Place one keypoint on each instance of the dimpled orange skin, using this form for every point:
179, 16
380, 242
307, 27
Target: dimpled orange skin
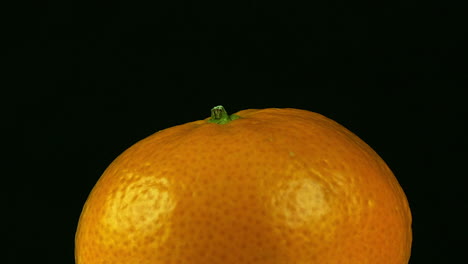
275, 186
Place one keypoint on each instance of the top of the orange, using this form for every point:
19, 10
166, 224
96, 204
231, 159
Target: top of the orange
271, 186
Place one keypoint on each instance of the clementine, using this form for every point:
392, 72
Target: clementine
271, 186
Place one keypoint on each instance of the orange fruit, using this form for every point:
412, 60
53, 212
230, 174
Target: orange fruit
271, 186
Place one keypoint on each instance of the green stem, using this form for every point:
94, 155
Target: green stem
220, 116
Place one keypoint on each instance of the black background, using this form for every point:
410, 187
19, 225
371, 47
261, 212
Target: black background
89, 80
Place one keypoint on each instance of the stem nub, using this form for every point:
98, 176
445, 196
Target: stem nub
220, 116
